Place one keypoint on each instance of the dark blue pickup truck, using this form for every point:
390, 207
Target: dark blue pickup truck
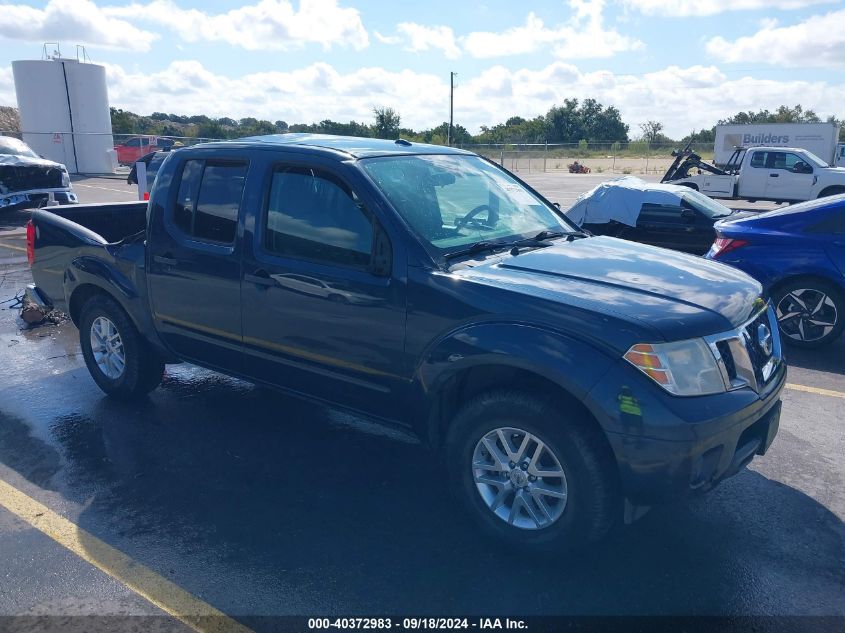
569, 381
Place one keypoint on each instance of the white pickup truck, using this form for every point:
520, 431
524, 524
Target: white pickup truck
780, 174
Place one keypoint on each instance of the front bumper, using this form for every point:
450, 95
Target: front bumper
36, 199
667, 447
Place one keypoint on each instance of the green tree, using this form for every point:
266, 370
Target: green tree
652, 131
387, 122
123, 122
784, 114
210, 129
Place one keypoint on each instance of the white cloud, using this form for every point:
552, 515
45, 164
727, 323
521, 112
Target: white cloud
684, 8
387, 39
7, 87
818, 41
308, 94
79, 21
267, 25
584, 35
682, 98
423, 38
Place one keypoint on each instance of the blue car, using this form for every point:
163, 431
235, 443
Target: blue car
798, 254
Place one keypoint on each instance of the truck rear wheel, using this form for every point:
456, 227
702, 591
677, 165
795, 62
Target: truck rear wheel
118, 358
532, 474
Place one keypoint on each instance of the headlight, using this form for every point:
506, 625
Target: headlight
683, 368
65, 179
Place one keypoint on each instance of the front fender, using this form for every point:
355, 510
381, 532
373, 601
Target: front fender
571, 364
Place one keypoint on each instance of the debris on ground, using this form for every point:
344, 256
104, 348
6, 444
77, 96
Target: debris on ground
35, 313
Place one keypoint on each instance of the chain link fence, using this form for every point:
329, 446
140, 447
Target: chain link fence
634, 157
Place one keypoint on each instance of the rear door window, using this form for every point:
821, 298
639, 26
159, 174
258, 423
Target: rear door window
209, 200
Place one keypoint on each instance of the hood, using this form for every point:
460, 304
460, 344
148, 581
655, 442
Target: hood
678, 295
26, 161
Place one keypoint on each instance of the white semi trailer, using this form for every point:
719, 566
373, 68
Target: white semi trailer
821, 139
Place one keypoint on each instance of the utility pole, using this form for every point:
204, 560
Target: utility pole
451, 107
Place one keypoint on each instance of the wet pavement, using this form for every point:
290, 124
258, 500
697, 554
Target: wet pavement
260, 504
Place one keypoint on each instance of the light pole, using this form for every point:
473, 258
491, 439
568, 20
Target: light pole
451, 107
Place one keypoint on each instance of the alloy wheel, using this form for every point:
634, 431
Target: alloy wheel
107, 347
519, 478
806, 314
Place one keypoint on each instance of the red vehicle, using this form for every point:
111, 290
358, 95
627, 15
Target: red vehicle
138, 146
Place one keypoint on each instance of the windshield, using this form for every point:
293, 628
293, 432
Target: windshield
705, 204
452, 201
818, 162
14, 147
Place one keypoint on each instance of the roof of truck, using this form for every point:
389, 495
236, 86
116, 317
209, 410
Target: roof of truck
354, 146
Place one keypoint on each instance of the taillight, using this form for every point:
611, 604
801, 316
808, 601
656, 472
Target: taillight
724, 245
30, 242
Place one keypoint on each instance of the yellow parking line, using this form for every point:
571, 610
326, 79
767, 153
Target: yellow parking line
164, 594
816, 390
14, 248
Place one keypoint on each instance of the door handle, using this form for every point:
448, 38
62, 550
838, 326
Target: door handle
260, 277
167, 261
774, 175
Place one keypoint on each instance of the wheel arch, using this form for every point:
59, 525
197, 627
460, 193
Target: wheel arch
84, 289
784, 281
831, 190
470, 382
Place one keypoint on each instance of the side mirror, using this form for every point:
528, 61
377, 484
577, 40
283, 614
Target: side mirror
557, 204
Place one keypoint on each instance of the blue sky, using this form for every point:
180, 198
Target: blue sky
684, 62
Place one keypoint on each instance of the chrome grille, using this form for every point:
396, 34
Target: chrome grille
749, 355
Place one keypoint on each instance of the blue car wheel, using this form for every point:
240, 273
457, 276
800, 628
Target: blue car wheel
810, 312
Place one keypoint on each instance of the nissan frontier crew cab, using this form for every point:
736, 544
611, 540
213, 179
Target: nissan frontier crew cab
568, 381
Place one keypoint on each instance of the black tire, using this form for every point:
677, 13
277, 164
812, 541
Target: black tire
593, 502
832, 191
821, 300
142, 370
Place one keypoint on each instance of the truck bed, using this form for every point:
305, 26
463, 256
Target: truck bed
112, 222
86, 236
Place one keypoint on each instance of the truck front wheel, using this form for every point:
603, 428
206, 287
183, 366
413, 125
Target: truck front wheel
531, 473
118, 358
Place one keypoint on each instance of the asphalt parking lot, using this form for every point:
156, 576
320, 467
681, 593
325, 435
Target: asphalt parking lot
217, 497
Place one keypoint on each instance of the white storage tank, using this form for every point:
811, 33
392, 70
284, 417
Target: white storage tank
64, 110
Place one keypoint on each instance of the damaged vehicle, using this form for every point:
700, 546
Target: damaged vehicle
669, 216
29, 181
